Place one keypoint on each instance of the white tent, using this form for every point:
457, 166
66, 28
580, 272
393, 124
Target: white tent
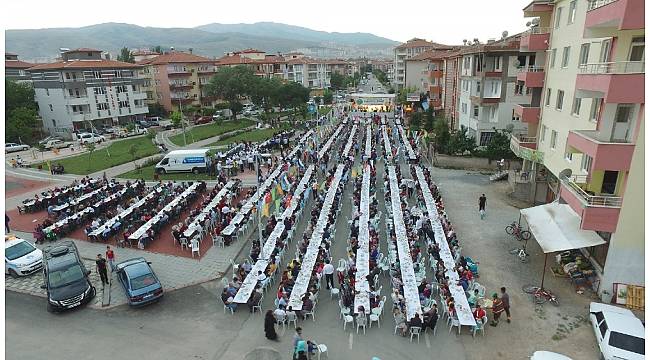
556, 227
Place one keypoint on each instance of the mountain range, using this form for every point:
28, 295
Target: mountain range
211, 40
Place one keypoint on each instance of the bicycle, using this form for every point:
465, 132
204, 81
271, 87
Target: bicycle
517, 231
540, 295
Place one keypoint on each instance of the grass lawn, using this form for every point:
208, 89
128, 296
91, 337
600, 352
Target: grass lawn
202, 132
324, 110
146, 173
257, 135
119, 150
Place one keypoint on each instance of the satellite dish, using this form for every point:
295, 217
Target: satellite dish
528, 24
566, 173
504, 34
535, 21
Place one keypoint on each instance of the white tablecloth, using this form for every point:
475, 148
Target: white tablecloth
156, 218
248, 285
128, 211
309, 259
301, 142
206, 211
363, 252
387, 146
407, 143
302, 185
411, 294
368, 150
329, 142
348, 146
463, 310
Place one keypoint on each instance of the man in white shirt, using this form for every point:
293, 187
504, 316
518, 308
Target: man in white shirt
261, 278
328, 270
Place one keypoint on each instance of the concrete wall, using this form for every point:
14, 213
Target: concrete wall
416, 75
469, 162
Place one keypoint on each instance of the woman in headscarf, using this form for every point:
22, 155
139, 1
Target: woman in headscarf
269, 326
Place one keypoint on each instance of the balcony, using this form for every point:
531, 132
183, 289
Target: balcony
535, 39
605, 152
538, 7
178, 72
605, 16
435, 103
434, 74
615, 82
528, 113
434, 89
526, 148
597, 212
485, 100
79, 100
140, 96
532, 76
180, 85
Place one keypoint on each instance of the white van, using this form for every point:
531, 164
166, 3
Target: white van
85, 138
196, 161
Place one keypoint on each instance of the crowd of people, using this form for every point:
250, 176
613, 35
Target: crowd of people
60, 195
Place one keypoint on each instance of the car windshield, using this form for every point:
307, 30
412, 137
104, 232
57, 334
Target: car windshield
65, 276
142, 281
626, 342
19, 250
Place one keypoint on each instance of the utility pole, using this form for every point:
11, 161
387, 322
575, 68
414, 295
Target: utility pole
259, 211
180, 106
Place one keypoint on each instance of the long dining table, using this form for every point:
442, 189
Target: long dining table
329, 142
194, 225
348, 145
361, 297
387, 146
409, 149
463, 310
411, 294
109, 224
309, 259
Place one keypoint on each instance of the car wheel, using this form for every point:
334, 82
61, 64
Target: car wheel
195, 171
93, 292
50, 308
13, 273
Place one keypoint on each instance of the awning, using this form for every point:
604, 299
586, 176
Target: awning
556, 227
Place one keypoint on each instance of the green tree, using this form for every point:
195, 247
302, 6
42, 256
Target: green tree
328, 97
265, 93
41, 148
416, 121
126, 56
499, 146
461, 143
442, 136
338, 81
151, 134
317, 100
231, 84
292, 95
130, 127
18, 95
91, 148
157, 110
20, 125
133, 150
176, 119
157, 49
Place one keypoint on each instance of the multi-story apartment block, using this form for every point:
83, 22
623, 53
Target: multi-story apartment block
83, 90
584, 145
178, 79
489, 90
15, 69
408, 50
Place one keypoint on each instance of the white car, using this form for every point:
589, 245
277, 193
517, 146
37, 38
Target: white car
57, 144
21, 257
85, 138
13, 147
619, 333
548, 355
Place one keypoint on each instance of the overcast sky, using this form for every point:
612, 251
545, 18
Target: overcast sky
444, 21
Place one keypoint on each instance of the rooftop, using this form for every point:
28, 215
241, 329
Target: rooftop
415, 43
177, 57
85, 64
82, 50
17, 64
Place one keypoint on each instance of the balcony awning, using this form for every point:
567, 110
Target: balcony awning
556, 227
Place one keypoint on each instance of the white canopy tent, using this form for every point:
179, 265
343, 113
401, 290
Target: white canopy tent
556, 227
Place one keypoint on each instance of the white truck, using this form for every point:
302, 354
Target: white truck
195, 161
85, 138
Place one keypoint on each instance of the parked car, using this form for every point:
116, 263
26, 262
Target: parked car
203, 120
49, 138
619, 333
144, 123
57, 144
85, 138
21, 257
13, 147
139, 281
548, 355
166, 124
66, 278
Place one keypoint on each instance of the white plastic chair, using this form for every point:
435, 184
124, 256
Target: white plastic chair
374, 318
415, 330
225, 307
347, 319
196, 247
454, 322
480, 325
281, 319
311, 312
342, 265
322, 349
334, 291
362, 321
292, 317
258, 306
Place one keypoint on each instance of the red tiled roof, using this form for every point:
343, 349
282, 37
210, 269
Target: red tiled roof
233, 60
85, 64
82, 50
179, 57
423, 43
10, 53
249, 51
17, 64
144, 52
510, 43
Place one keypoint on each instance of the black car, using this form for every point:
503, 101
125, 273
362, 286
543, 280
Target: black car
66, 278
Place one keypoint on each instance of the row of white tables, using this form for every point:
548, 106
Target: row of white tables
309, 259
83, 197
368, 149
329, 142
195, 224
136, 235
407, 143
65, 191
409, 281
302, 186
298, 146
157, 190
348, 146
463, 309
387, 146
362, 287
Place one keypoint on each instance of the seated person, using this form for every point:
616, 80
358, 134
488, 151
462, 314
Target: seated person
416, 321
228, 300
473, 299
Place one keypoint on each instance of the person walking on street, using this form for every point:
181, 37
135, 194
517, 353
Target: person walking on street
505, 298
328, 270
269, 326
101, 269
110, 255
497, 309
482, 201
7, 229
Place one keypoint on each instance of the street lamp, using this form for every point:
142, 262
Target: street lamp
180, 106
257, 157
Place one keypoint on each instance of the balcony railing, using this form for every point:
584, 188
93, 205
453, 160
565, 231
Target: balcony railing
589, 199
538, 30
530, 69
595, 4
527, 140
619, 67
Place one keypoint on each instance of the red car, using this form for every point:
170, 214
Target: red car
203, 120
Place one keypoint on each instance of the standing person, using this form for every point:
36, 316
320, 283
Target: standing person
7, 229
482, 201
505, 298
328, 270
101, 269
497, 309
110, 255
269, 326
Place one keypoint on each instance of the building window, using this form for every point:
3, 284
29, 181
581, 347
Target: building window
558, 16
51, 109
572, 12
464, 108
486, 137
475, 111
575, 109
560, 99
515, 117
553, 54
478, 87
585, 163
595, 109
493, 114
543, 135
553, 138
584, 54
519, 87
548, 96
565, 56
568, 156
53, 123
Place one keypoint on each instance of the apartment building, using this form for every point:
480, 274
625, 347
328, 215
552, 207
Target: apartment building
16, 70
586, 147
407, 50
489, 90
178, 79
83, 90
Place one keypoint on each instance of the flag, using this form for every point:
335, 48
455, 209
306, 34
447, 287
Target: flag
267, 198
279, 190
265, 211
277, 205
273, 195
287, 201
354, 172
